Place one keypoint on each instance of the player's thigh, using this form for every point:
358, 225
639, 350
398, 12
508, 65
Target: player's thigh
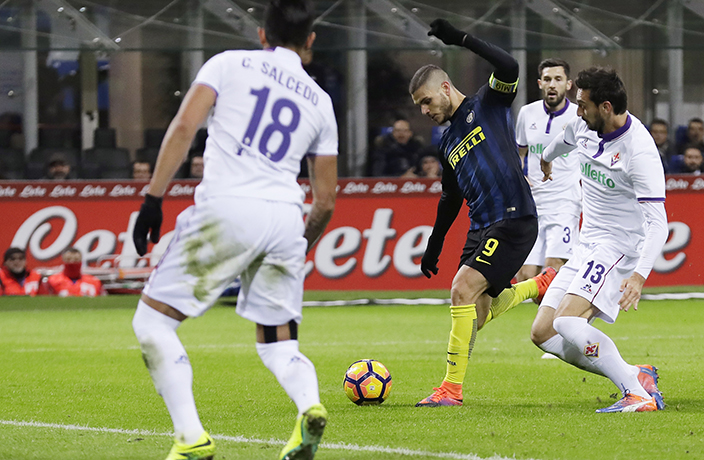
211, 246
599, 277
272, 286
559, 286
501, 250
467, 286
561, 231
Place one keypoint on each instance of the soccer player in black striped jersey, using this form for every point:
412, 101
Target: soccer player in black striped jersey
480, 165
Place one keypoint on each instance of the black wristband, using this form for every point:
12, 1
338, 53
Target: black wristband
153, 200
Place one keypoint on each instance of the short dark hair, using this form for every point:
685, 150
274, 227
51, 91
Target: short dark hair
553, 62
422, 76
288, 22
604, 84
12, 251
695, 120
692, 146
659, 121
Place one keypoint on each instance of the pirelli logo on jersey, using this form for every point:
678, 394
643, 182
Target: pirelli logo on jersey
498, 85
467, 144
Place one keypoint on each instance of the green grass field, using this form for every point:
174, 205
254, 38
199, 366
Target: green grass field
73, 386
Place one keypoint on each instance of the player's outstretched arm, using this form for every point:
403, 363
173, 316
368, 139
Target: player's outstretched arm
323, 181
192, 113
506, 66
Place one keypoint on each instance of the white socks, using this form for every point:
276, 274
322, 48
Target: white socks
295, 373
567, 352
601, 352
170, 369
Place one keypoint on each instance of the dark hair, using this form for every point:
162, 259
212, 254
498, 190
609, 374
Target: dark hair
288, 22
12, 251
604, 85
659, 121
554, 62
422, 76
692, 146
695, 120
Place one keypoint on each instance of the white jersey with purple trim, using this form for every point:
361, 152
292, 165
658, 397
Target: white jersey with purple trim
268, 115
536, 127
618, 170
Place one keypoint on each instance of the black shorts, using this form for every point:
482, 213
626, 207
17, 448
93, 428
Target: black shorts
499, 250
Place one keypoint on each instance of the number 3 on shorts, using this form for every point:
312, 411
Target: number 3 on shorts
489, 248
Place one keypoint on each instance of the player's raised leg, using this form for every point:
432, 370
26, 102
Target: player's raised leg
532, 288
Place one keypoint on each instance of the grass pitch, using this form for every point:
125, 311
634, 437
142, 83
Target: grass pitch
73, 386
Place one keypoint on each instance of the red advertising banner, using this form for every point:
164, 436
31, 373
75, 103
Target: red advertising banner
374, 241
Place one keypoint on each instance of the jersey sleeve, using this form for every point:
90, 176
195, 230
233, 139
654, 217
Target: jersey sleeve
211, 74
646, 172
521, 138
326, 144
570, 133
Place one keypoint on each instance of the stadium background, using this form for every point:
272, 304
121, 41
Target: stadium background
77, 66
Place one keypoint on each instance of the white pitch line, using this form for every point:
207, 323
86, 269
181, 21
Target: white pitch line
243, 439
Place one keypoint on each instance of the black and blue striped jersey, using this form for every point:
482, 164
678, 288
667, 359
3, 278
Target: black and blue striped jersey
480, 157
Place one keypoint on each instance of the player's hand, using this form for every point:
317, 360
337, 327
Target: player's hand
449, 34
148, 222
631, 288
429, 263
546, 167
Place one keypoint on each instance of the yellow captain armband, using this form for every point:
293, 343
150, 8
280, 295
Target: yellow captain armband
498, 85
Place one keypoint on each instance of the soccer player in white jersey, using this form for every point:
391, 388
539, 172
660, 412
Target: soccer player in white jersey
247, 220
558, 201
623, 230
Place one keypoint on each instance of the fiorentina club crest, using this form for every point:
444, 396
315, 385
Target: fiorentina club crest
592, 350
616, 158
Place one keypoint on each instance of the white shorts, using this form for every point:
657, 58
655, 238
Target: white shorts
558, 234
225, 237
595, 273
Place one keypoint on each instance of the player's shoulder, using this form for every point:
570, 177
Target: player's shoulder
641, 142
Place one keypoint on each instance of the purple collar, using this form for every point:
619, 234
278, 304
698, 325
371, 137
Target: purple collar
613, 135
559, 112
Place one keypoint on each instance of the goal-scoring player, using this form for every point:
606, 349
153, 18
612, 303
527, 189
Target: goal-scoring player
480, 165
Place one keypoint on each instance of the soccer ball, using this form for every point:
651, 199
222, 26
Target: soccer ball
367, 382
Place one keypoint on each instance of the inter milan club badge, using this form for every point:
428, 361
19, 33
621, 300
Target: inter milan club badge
470, 117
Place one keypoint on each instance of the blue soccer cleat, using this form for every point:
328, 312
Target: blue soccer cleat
648, 378
631, 403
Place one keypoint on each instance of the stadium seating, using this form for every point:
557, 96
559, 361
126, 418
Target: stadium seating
105, 160
52, 141
152, 143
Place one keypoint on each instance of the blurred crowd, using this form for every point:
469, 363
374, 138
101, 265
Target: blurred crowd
58, 157
68, 280
395, 152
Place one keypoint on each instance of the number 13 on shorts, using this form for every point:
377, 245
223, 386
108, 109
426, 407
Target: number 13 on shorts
489, 249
